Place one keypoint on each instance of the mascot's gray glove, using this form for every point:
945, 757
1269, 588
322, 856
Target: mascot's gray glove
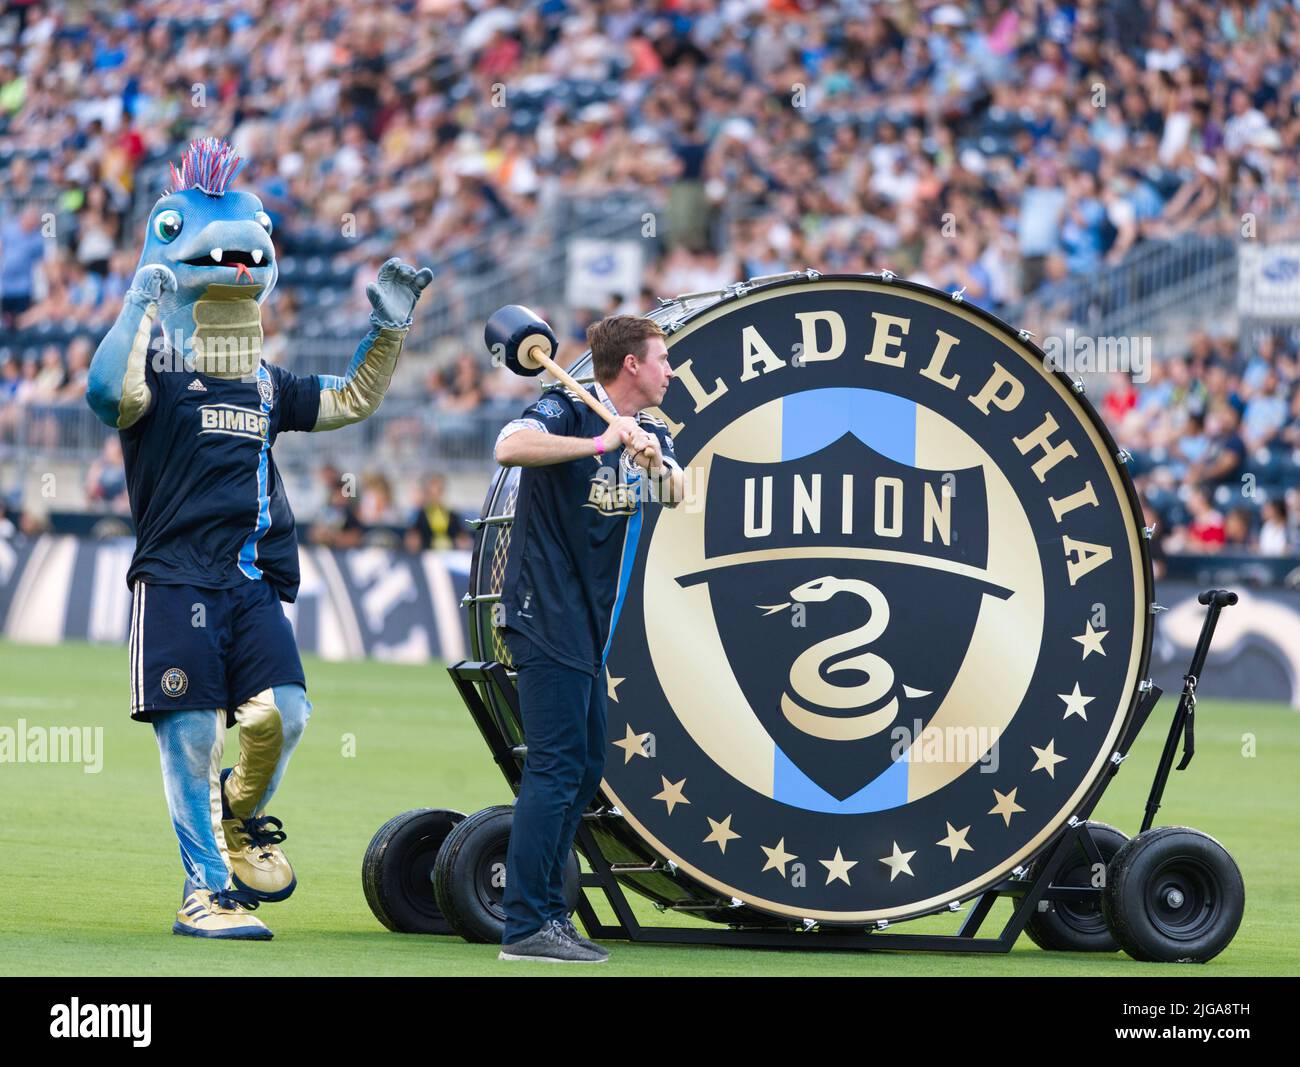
394, 293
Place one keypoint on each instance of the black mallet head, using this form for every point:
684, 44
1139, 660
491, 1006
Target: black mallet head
512, 332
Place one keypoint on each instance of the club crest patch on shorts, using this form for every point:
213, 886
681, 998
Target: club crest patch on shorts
265, 390
174, 682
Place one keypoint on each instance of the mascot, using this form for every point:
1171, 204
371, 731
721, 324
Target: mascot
210, 646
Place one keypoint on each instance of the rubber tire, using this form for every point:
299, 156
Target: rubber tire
1127, 905
393, 870
1069, 927
464, 875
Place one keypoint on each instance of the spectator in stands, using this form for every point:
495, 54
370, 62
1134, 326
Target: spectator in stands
1266, 413
1274, 535
9, 378
1121, 399
73, 389
22, 246
1205, 530
376, 505
1236, 530
434, 525
1225, 452
98, 231
106, 478
461, 389
337, 524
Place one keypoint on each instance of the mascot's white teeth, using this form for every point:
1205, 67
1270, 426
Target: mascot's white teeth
257, 255
216, 254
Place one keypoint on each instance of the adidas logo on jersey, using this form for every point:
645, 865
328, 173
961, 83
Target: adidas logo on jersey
197, 386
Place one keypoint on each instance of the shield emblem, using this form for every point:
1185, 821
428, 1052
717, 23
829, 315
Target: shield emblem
849, 585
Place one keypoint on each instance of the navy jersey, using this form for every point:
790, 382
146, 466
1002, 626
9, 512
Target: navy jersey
209, 508
574, 535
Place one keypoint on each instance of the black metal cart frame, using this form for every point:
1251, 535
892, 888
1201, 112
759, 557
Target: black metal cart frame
1027, 886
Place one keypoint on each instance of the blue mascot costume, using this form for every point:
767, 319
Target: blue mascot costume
216, 552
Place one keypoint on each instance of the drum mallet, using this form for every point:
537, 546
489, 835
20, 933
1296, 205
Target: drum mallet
521, 338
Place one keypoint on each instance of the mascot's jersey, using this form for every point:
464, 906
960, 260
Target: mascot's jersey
208, 504
575, 533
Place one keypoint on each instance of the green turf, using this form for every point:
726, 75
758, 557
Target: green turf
90, 877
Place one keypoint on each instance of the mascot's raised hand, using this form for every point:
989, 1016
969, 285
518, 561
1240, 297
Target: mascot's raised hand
394, 293
154, 281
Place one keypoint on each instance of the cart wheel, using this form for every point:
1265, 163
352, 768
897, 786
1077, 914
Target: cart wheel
469, 877
1173, 894
1069, 926
397, 870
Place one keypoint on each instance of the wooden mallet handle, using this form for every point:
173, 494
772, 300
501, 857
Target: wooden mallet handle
538, 353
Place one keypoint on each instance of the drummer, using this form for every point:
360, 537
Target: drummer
578, 516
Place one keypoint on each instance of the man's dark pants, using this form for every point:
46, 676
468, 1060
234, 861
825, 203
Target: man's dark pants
563, 713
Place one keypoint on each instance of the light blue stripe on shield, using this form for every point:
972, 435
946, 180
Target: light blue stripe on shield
809, 422
791, 786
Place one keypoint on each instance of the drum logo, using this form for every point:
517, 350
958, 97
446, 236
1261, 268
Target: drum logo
887, 647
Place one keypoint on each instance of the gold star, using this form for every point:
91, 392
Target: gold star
777, 857
632, 745
1075, 703
838, 868
898, 862
1047, 759
1006, 805
672, 793
1091, 640
612, 684
955, 841
721, 833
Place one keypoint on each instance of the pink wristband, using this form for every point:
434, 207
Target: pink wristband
600, 444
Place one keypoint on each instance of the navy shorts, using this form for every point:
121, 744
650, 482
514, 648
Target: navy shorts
195, 649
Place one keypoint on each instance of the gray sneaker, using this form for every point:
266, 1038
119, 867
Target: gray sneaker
550, 945
566, 924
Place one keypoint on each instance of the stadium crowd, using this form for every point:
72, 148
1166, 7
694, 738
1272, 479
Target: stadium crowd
1000, 146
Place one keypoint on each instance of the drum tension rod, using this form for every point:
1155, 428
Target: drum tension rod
489, 520
654, 867
703, 905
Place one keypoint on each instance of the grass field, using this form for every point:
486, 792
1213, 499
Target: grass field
90, 876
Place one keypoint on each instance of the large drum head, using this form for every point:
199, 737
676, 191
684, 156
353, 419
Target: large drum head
886, 649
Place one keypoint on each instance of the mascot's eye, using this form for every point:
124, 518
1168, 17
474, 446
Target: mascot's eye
168, 226
263, 220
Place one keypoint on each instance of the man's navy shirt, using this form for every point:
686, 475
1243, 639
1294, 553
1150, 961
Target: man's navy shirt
574, 535
208, 503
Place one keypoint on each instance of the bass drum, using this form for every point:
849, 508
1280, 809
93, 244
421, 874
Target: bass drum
889, 647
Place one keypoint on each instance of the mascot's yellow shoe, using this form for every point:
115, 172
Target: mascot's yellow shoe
217, 915
257, 864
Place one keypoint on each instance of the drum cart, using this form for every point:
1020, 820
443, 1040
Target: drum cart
1168, 894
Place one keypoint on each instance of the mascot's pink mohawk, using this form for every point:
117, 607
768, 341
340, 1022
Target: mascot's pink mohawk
208, 165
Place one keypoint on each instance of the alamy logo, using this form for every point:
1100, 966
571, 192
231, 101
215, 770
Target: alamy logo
103, 1020
53, 744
